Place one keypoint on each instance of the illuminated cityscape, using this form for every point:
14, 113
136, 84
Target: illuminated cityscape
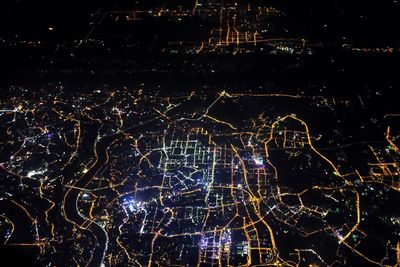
199, 133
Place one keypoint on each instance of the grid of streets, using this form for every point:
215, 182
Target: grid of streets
199, 179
